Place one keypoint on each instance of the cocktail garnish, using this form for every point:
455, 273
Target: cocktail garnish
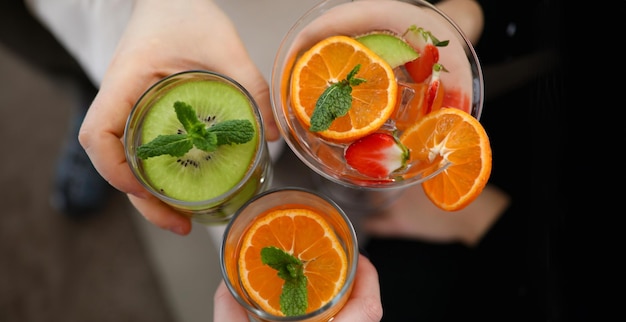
377, 155
316, 261
426, 43
427, 34
334, 102
197, 134
435, 91
293, 300
454, 139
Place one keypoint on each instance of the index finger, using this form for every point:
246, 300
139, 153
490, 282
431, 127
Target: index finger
364, 303
103, 129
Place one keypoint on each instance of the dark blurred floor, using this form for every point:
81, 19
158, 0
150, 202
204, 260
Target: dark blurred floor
53, 268
113, 266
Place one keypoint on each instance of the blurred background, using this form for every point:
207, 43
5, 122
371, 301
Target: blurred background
115, 266
104, 267
110, 265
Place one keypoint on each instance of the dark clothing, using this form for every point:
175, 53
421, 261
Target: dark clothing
515, 273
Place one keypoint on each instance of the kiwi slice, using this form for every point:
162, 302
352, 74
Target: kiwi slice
199, 175
390, 47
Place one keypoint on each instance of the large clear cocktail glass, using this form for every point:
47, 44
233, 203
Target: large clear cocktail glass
353, 18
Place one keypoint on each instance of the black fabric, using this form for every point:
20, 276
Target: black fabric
450, 282
517, 272
416, 279
514, 274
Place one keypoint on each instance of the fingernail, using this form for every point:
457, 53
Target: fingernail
177, 230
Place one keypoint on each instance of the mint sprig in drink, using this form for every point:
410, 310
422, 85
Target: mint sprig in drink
195, 140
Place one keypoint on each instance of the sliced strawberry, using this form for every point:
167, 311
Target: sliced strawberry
377, 155
426, 44
420, 68
435, 91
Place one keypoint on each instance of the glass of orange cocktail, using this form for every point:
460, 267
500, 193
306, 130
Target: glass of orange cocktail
290, 254
366, 93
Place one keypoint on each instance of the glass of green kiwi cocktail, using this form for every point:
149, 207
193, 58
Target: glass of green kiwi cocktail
195, 140
416, 61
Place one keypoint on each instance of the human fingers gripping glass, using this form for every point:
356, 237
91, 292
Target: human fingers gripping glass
162, 215
151, 48
101, 134
364, 303
226, 308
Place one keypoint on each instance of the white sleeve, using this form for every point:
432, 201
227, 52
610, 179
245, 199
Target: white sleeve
88, 29
91, 29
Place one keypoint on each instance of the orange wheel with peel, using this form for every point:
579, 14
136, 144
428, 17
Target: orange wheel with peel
454, 136
306, 235
330, 61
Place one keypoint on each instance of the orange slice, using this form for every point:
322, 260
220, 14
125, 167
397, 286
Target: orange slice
330, 61
304, 234
454, 136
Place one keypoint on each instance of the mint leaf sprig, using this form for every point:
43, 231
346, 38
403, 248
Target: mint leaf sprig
197, 134
425, 34
334, 102
294, 297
